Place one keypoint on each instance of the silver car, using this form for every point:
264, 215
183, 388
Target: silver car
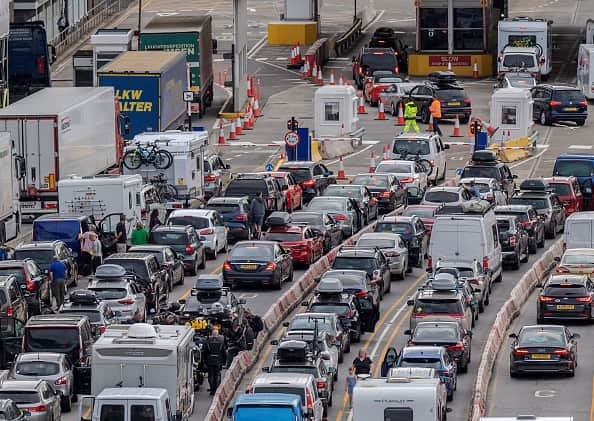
35, 396
410, 174
123, 296
50, 366
341, 209
393, 248
488, 188
449, 195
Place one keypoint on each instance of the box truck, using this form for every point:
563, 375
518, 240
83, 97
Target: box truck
585, 70
149, 86
191, 35
58, 132
9, 216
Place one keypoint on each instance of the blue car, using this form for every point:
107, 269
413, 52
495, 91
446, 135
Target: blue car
553, 103
435, 357
580, 166
234, 211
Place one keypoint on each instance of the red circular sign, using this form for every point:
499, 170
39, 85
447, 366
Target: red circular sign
291, 139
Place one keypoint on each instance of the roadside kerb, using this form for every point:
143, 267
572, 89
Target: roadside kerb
508, 312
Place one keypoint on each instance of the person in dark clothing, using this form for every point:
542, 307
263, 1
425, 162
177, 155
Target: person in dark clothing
257, 213
362, 364
215, 356
57, 273
154, 221
237, 342
121, 236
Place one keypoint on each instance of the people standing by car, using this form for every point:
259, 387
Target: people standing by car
139, 235
410, 116
351, 381
257, 213
121, 237
154, 219
236, 342
57, 273
362, 364
435, 109
6, 252
86, 249
97, 252
215, 358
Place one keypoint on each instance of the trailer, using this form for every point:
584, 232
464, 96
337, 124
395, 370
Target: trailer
151, 356
59, 132
9, 216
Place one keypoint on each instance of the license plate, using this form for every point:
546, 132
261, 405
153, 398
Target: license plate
541, 356
249, 266
454, 103
565, 307
288, 249
571, 109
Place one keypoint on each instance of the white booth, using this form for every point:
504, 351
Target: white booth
335, 111
108, 44
511, 112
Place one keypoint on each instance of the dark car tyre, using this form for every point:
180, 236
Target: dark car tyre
516, 263
203, 261
543, 119
580, 122
65, 404
532, 246
194, 269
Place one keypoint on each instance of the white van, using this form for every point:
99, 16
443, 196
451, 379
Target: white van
585, 70
590, 31
519, 58
402, 398
460, 237
579, 230
427, 145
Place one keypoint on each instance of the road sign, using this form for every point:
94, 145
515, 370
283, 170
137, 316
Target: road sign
269, 167
291, 139
188, 96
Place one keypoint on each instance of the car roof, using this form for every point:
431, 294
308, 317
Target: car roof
230, 199
38, 245
514, 208
171, 228
420, 351
579, 251
41, 356
316, 315
480, 180
55, 319
192, 212
380, 235
567, 278
415, 136
295, 229
282, 379
438, 295
20, 384
299, 164
255, 243
129, 256
358, 252
396, 219
151, 247
269, 398
575, 156
452, 189
438, 324
558, 87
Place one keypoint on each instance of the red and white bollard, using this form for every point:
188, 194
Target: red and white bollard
340, 175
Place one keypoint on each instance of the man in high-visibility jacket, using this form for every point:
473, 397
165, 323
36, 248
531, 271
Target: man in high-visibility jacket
410, 116
435, 110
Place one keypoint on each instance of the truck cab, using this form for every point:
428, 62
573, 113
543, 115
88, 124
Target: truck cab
262, 406
128, 403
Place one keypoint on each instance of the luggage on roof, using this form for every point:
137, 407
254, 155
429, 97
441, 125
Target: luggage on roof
278, 219
209, 282
484, 156
83, 296
442, 77
330, 286
110, 271
535, 184
292, 351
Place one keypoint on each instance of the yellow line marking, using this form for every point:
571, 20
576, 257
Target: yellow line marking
396, 330
215, 270
278, 164
592, 402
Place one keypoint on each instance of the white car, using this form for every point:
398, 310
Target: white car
208, 224
393, 248
449, 195
409, 173
425, 145
489, 189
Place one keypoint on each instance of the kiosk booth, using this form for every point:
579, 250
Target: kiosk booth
335, 111
511, 112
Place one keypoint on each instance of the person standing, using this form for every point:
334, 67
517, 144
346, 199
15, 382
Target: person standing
5, 252
257, 213
121, 237
410, 116
154, 219
351, 381
57, 272
139, 235
215, 358
435, 110
97, 252
362, 364
86, 249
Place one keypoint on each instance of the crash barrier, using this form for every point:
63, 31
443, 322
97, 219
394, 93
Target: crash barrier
318, 53
330, 148
509, 311
516, 149
349, 38
272, 319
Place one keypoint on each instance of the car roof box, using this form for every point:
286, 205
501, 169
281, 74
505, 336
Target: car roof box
484, 156
292, 351
442, 77
110, 271
278, 219
209, 282
534, 184
444, 282
470, 207
330, 286
82, 296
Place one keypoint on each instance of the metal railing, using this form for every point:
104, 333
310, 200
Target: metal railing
349, 38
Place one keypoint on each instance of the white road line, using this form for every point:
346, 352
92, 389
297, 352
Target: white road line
280, 58
218, 60
351, 155
261, 59
257, 47
386, 330
370, 142
580, 147
378, 17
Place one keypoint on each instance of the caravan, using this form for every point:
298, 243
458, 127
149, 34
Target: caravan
585, 70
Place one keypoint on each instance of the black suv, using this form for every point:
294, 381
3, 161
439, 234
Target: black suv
313, 177
530, 221
249, 184
83, 302
453, 98
386, 38
12, 300
31, 279
372, 59
43, 251
514, 240
147, 274
412, 231
484, 164
184, 241
371, 260
346, 307
554, 103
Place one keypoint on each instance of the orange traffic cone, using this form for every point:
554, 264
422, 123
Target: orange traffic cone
449, 66
306, 69
384, 153
221, 134
430, 128
257, 112
340, 175
251, 121
250, 86
298, 52
361, 109
457, 127
340, 80
246, 119
381, 115
475, 72
320, 76
314, 73
331, 77
492, 129
238, 128
400, 121
372, 162
232, 133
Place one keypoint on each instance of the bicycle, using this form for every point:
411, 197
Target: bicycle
149, 155
167, 192
425, 164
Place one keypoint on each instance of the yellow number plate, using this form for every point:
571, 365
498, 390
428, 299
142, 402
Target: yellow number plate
199, 324
541, 356
565, 307
570, 108
249, 266
454, 103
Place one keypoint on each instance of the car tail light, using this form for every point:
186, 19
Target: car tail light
309, 183
127, 301
416, 315
512, 241
520, 351
457, 347
270, 267
210, 178
164, 265
251, 391
385, 194
467, 101
362, 294
407, 180
473, 281
340, 217
9, 311
226, 266
38, 408
490, 196
486, 263
562, 269
429, 262
360, 70
562, 352
391, 254
189, 249
102, 329
50, 206
349, 314
456, 315
321, 385
584, 103
584, 299
40, 61
29, 284
544, 299
241, 217
207, 231
555, 103
62, 380
527, 224
396, 70
309, 399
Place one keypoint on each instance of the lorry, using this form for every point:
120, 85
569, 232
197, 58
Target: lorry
57, 132
526, 32
9, 214
263, 406
191, 35
147, 356
186, 173
149, 86
585, 70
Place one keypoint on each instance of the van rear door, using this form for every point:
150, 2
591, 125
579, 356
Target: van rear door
444, 239
578, 234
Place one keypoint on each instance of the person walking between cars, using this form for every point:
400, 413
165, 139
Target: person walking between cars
410, 116
351, 381
121, 237
257, 213
435, 110
215, 357
57, 273
86, 249
362, 364
154, 220
139, 235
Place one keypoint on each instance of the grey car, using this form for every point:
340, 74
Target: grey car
35, 396
343, 210
361, 194
9, 411
51, 366
393, 248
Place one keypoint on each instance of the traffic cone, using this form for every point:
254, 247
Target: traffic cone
340, 175
251, 118
340, 80
449, 66
298, 52
250, 86
332, 77
306, 69
492, 129
320, 77
381, 115
361, 109
257, 112
292, 59
238, 128
246, 119
232, 133
475, 72
314, 73
400, 121
372, 162
385, 153
221, 134
457, 127
430, 128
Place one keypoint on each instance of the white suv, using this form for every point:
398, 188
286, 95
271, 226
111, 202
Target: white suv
410, 174
427, 146
208, 224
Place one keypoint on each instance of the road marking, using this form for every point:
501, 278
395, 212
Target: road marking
545, 394
370, 142
281, 59
390, 340
261, 59
580, 147
257, 46
214, 271
351, 155
592, 402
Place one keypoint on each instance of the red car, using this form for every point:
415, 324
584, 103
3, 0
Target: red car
292, 191
301, 242
375, 85
569, 193
426, 214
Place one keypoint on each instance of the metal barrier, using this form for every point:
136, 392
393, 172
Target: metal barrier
349, 38
318, 53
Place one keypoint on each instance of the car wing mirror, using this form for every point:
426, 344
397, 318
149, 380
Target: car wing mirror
513, 336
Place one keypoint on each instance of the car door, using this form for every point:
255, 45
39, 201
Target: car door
537, 95
220, 230
178, 266
416, 94
558, 210
11, 338
280, 259
39, 278
382, 265
421, 234
139, 298
19, 303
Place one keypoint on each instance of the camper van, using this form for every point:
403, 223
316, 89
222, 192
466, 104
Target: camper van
585, 70
151, 356
579, 230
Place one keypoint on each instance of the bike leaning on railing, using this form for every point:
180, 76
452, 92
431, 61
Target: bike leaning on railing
149, 155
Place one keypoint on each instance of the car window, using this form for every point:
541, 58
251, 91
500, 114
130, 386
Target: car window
112, 412
317, 170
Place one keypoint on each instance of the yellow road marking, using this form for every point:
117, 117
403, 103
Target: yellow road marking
278, 164
592, 402
397, 328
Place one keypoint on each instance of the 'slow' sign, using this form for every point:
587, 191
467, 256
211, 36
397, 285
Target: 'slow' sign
444, 60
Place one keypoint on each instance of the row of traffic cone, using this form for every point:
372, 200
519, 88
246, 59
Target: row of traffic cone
296, 60
239, 124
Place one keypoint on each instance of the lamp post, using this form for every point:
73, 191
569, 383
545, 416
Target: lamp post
139, 21
355, 15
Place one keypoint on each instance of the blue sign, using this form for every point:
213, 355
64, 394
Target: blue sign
303, 148
459, 171
269, 167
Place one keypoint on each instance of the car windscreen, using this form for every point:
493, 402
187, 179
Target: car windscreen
157, 253
396, 168
411, 147
20, 397
355, 193
535, 202
371, 181
110, 293
251, 253
379, 60
245, 187
483, 188
396, 228
565, 290
523, 82
93, 315
18, 272
51, 339
223, 207
37, 368
309, 323
377, 242
441, 197
568, 96
137, 267
196, 221
420, 212
519, 60
298, 369
327, 205
41, 257
577, 259
438, 333
357, 263
299, 174
453, 94
541, 337
481, 172
348, 281
504, 225
335, 308
168, 238
310, 219
299, 391
429, 306
421, 362
281, 236
577, 168
561, 189
388, 80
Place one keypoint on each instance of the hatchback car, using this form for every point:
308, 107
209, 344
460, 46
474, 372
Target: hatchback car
31, 279
125, 298
568, 191
514, 240
344, 211
473, 274
543, 349
529, 220
369, 259
433, 305
85, 303
450, 195
209, 226
185, 242
313, 177
412, 231
566, 297
168, 259
521, 80
485, 165
425, 145
385, 188
393, 248
410, 174
322, 222
395, 96
553, 103
304, 245
13, 302
234, 211
249, 184
348, 310
375, 85
323, 322
361, 194
488, 188
43, 251
546, 203
35, 396
576, 261
290, 189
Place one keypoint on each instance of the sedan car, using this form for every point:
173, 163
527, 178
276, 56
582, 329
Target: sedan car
395, 95
343, 210
361, 194
456, 340
234, 211
410, 174
543, 349
576, 261
385, 188
304, 245
324, 322
450, 195
375, 85
52, 367
412, 231
322, 222
568, 191
566, 297
168, 259
514, 240
185, 242
31, 279
35, 396
488, 188
392, 247
290, 188
258, 262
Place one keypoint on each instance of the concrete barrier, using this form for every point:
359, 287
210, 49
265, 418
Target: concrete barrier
333, 148
318, 52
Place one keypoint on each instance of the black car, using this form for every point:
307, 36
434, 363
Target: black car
543, 349
545, 202
456, 340
529, 220
12, 298
453, 98
234, 211
322, 222
361, 194
258, 262
386, 38
43, 251
369, 259
185, 242
313, 177
484, 164
168, 259
346, 307
31, 279
566, 297
385, 188
412, 230
553, 103
250, 184
514, 240
371, 59
85, 303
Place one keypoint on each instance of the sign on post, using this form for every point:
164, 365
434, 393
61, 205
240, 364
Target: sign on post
291, 139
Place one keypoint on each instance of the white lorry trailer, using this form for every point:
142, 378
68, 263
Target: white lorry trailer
9, 216
585, 70
525, 32
142, 355
58, 132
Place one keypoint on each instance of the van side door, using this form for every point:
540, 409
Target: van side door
11, 338
494, 249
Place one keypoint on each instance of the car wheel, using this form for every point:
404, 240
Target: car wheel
487, 298
278, 284
551, 235
539, 320
572, 373
65, 404
74, 397
425, 115
340, 356
541, 243
215, 252
404, 269
203, 262
516, 263
389, 285
194, 269
224, 249
513, 374
464, 367
532, 246
443, 174
580, 122
481, 307
526, 255
182, 278
543, 119
464, 119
